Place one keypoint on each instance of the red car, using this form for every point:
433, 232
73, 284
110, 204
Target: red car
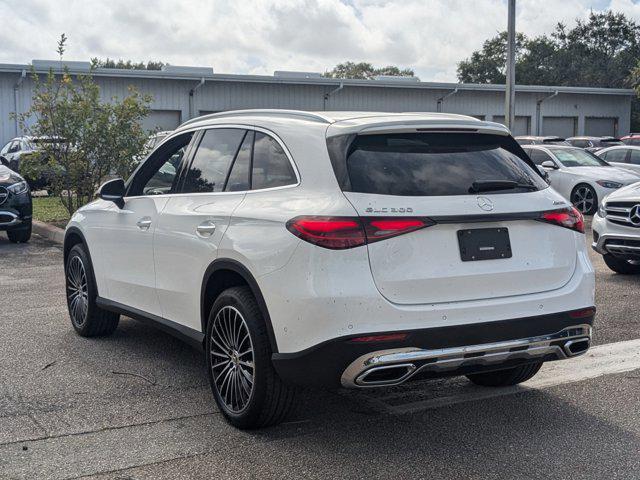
632, 139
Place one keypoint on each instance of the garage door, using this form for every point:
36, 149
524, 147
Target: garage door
600, 126
560, 126
162, 120
522, 124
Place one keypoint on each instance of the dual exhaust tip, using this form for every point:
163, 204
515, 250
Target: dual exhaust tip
389, 375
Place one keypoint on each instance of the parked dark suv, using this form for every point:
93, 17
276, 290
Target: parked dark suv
15, 206
24, 155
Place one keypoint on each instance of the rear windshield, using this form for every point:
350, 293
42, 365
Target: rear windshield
431, 164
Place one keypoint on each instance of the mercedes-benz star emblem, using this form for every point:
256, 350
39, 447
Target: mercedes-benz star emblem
634, 215
3, 194
485, 204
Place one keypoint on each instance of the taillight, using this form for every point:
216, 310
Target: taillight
569, 218
379, 228
329, 232
347, 232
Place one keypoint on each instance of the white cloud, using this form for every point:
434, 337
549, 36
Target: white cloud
260, 36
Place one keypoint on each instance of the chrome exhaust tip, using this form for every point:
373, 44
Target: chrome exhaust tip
576, 347
386, 375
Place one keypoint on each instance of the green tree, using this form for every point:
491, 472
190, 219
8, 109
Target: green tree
126, 64
94, 139
598, 52
488, 65
365, 71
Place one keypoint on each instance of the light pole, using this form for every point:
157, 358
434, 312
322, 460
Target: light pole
510, 94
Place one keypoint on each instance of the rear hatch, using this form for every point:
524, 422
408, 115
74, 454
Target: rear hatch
480, 196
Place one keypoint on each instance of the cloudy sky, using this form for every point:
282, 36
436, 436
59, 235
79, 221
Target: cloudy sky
260, 36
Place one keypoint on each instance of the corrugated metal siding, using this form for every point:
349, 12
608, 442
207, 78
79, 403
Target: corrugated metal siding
219, 95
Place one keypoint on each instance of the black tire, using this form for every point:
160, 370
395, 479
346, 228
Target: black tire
269, 399
585, 199
87, 319
21, 235
620, 265
505, 378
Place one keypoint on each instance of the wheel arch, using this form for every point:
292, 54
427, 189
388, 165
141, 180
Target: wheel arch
225, 273
73, 236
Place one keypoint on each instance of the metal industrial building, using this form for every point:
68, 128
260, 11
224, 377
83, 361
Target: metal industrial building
181, 93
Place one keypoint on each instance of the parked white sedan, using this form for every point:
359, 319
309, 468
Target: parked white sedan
623, 156
578, 175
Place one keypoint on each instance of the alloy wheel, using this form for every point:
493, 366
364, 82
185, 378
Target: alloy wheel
583, 199
232, 359
77, 291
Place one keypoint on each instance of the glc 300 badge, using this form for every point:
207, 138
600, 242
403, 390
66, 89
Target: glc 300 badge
389, 210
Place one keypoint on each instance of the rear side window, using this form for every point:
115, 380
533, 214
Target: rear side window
431, 164
619, 156
239, 176
271, 166
538, 156
635, 157
212, 160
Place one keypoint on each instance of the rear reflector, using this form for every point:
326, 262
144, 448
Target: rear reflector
569, 218
347, 232
584, 313
390, 337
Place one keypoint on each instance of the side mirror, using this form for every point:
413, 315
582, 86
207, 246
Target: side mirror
113, 191
549, 164
544, 173
4, 161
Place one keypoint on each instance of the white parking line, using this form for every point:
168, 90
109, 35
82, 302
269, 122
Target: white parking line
601, 360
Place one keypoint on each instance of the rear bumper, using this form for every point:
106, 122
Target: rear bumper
436, 352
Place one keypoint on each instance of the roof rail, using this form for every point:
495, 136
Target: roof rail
316, 117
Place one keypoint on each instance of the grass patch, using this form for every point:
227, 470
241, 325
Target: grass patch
50, 210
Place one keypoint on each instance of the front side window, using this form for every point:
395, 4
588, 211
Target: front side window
208, 170
573, 157
159, 174
434, 164
271, 166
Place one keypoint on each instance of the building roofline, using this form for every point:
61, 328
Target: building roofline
319, 81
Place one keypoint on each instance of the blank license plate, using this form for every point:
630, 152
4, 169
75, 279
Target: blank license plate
484, 244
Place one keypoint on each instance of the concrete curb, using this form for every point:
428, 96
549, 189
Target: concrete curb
50, 232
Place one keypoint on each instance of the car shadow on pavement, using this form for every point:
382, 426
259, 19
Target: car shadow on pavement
527, 435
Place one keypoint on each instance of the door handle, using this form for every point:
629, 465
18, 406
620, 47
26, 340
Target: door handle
206, 229
144, 223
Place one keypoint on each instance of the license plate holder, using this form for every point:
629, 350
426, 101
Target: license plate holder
484, 244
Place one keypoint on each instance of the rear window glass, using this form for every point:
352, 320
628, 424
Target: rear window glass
427, 164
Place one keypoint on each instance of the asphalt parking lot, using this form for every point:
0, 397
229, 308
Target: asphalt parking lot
137, 405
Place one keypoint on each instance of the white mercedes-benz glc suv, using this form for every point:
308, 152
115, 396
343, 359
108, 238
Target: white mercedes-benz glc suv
351, 249
616, 230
